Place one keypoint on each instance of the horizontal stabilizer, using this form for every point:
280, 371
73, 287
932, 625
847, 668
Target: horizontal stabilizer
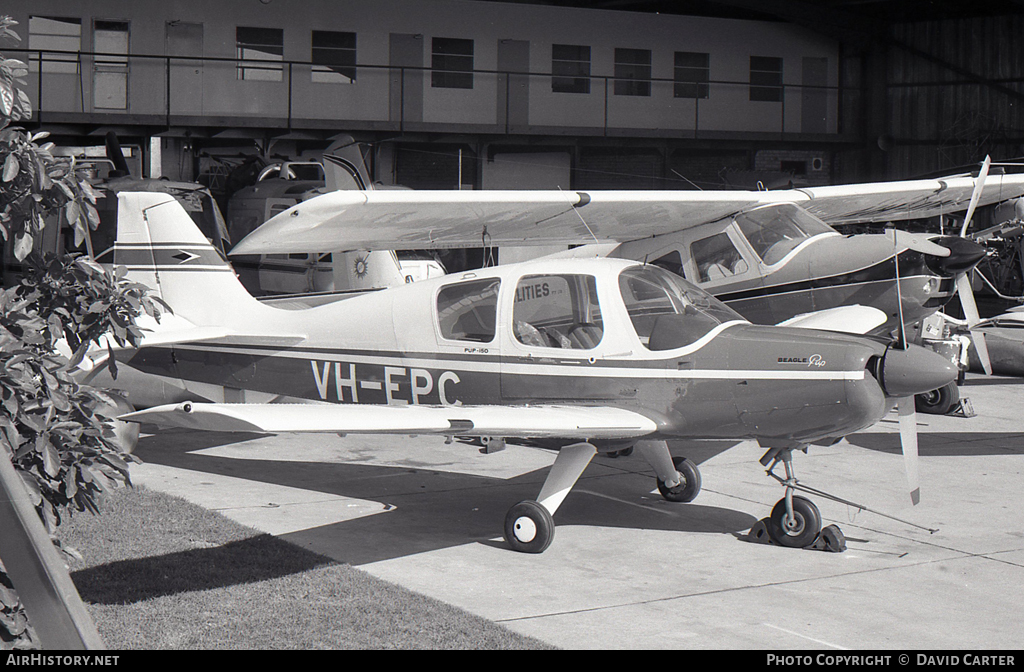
847, 319
571, 422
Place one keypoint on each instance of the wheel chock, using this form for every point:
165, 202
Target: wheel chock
963, 409
759, 533
830, 539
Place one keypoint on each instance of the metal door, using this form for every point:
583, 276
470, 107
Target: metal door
186, 75
110, 67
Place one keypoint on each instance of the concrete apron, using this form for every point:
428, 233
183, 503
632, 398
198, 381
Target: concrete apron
630, 570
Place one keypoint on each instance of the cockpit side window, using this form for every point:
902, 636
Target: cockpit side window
671, 262
774, 231
467, 311
716, 258
666, 311
558, 311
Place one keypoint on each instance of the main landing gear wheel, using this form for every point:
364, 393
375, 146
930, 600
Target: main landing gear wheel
938, 402
529, 528
688, 489
799, 532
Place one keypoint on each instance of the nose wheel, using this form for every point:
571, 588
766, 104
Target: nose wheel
797, 528
795, 521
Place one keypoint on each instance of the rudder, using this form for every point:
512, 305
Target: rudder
162, 248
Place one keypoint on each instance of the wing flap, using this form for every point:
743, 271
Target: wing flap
589, 422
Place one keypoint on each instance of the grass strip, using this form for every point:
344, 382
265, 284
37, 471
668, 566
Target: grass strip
162, 573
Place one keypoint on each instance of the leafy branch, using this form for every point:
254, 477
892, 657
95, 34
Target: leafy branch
57, 433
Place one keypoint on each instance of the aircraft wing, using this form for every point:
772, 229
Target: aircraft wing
431, 219
913, 199
595, 422
386, 219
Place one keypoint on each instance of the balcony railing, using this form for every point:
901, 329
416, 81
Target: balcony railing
166, 90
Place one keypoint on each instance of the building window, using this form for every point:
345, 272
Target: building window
260, 53
452, 63
570, 68
334, 57
632, 72
766, 79
46, 33
692, 73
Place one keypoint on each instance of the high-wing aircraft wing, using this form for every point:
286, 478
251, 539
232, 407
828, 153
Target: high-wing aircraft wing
515, 421
347, 220
914, 199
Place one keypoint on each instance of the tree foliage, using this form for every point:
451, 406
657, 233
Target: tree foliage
57, 433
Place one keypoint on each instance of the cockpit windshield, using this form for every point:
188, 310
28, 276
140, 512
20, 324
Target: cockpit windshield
774, 231
667, 312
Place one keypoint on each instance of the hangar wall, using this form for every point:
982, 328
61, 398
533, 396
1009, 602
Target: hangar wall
956, 92
181, 61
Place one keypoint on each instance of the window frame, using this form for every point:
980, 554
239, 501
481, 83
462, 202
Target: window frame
563, 78
488, 285
450, 67
766, 83
549, 331
632, 78
264, 69
58, 63
333, 64
689, 80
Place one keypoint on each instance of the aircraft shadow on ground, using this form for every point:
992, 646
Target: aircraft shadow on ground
434, 510
946, 444
249, 560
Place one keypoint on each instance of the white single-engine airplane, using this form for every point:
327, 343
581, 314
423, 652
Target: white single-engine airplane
596, 354
772, 256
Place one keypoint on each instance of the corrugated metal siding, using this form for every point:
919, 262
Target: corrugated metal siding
939, 117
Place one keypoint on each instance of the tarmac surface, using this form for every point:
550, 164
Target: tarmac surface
628, 569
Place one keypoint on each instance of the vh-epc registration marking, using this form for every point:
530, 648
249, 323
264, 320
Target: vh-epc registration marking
399, 384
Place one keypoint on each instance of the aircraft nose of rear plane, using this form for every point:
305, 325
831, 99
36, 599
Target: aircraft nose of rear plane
904, 373
963, 255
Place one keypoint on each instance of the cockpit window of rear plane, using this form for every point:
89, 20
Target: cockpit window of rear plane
558, 311
467, 311
716, 258
774, 231
666, 311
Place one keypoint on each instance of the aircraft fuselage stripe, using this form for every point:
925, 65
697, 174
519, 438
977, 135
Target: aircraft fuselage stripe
580, 368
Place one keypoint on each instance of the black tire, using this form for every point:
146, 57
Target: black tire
938, 402
686, 491
529, 528
808, 523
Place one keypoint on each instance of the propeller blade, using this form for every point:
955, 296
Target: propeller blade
976, 196
902, 333
918, 243
963, 288
908, 440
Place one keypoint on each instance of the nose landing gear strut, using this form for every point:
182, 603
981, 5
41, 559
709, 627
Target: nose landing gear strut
795, 521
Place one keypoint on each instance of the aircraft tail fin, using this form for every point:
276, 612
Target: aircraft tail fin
345, 166
163, 249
